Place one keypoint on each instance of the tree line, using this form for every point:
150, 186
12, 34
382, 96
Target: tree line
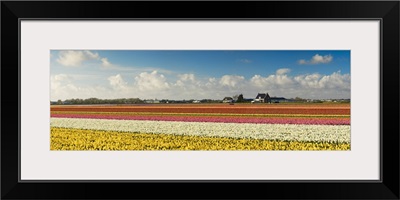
100, 101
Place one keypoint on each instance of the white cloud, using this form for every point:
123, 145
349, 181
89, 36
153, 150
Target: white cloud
317, 59
75, 58
258, 81
278, 80
282, 71
321, 59
187, 81
105, 62
61, 77
245, 61
187, 77
117, 82
64, 87
179, 83
151, 81
316, 81
71, 58
309, 81
57, 80
335, 85
302, 62
150, 85
272, 81
90, 55
336, 81
231, 80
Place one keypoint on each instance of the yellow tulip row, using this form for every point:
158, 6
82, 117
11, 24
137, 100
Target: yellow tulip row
80, 139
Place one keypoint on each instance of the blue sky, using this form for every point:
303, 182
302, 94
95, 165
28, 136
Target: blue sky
199, 74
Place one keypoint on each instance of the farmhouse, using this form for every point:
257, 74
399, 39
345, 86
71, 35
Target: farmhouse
227, 100
262, 98
265, 98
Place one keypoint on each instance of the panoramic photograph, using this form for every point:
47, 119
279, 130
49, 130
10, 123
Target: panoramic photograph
173, 100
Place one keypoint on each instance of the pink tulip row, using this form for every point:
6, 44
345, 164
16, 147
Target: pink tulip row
316, 121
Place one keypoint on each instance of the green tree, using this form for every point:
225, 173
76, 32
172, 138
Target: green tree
240, 98
298, 99
235, 97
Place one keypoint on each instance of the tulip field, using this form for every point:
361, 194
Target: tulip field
313, 126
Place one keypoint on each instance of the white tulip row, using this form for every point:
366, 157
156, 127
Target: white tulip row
287, 132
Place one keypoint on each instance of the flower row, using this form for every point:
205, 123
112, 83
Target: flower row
258, 120
282, 132
200, 114
208, 109
79, 139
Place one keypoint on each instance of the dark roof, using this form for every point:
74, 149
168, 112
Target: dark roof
228, 98
277, 98
262, 95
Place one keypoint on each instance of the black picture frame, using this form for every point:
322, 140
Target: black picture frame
386, 11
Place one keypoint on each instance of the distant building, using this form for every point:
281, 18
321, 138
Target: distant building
247, 100
206, 101
151, 101
227, 100
262, 98
278, 99
265, 98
